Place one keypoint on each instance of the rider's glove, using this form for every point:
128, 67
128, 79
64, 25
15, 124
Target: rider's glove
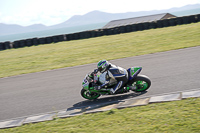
97, 87
95, 71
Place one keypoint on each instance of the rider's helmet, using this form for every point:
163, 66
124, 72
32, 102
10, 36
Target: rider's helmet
102, 65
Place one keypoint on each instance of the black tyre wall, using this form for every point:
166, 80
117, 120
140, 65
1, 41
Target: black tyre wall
49, 40
146, 25
8, 45
42, 41
172, 22
29, 42
16, 44
22, 43
198, 17
35, 41
2, 46
160, 24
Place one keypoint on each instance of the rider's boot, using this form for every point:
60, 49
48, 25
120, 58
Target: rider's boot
112, 91
117, 86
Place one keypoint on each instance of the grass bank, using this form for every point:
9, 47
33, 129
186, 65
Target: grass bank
78, 52
172, 117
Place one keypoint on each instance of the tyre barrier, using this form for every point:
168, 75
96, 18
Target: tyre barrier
94, 33
179, 21
29, 42
172, 22
134, 27
72, 36
110, 31
122, 29
42, 41
152, 25
61, 38
186, 20
8, 45
85, 35
75, 36
49, 40
140, 26
2, 47
35, 41
55, 39
160, 24
198, 17
146, 25
22, 43
166, 23
16, 44
128, 28
101, 32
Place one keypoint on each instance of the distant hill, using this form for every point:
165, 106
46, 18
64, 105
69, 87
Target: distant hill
89, 18
99, 17
16, 29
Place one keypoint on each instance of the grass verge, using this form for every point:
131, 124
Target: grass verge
173, 117
78, 52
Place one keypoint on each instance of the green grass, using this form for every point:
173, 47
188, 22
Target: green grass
169, 117
78, 52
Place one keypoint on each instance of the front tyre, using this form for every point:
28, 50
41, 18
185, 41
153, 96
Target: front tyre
141, 83
87, 95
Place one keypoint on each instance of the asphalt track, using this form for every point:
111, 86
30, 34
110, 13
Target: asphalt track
35, 93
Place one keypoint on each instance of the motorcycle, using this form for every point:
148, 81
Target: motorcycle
140, 83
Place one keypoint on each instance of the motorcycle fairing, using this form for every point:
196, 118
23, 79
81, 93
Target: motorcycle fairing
134, 71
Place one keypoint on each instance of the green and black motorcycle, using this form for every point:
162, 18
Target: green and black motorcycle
140, 83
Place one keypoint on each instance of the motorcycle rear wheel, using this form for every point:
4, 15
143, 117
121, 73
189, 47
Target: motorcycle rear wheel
91, 96
141, 82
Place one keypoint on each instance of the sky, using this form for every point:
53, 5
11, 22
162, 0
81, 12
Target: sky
50, 12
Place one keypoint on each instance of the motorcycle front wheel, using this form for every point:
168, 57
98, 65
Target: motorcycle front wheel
89, 95
141, 83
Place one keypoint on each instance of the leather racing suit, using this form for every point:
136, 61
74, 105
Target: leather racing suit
115, 77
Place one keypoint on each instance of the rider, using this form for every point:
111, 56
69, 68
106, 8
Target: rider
115, 76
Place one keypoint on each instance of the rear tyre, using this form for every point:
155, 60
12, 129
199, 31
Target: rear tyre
91, 96
141, 83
